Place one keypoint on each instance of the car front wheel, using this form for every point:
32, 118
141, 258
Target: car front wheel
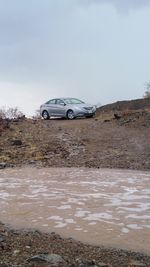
70, 115
90, 116
45, 115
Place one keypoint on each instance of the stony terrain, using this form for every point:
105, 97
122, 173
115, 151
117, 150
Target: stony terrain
113, 139
120, 141
33, 248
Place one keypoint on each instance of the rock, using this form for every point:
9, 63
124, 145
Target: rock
102, 264
3, 165
16, 252
2, 239
31, 161
83, 263
117, 116
137, 264
46, 156
16, 142
54, 259
28, 247
87, 263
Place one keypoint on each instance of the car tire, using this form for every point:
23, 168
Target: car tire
90, 116
45, 115
70, 114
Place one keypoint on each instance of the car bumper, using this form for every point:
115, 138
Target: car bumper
85, 114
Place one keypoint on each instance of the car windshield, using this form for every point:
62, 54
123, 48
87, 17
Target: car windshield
73, 101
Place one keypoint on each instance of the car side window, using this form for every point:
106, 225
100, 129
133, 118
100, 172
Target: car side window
53, 101
59, 102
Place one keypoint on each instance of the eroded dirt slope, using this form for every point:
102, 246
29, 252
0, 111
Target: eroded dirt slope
99, 142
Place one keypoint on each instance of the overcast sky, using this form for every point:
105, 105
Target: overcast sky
95, 50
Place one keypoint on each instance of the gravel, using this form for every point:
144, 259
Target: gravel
29, 248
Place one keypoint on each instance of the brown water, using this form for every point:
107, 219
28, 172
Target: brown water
99, 206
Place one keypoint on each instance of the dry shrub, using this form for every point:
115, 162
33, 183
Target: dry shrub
37, 115
10, 113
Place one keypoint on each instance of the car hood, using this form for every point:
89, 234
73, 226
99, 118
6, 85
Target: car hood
82, 105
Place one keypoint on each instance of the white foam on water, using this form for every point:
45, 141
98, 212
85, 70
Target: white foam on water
64, 207
81, 213
125, 230
78, 199
70, 221
55, 218
98, 216
138, 207
60, 225
138, 217
92, 223
134, 226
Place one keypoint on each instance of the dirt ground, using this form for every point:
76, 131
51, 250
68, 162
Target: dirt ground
32, 248
98, 142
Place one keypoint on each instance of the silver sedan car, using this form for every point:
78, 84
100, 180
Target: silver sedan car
69, 108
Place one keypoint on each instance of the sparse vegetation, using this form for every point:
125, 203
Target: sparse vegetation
37, 114
10, 113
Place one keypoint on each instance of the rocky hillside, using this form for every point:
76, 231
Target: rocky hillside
137, 104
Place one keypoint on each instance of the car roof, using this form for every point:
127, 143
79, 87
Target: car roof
62, 98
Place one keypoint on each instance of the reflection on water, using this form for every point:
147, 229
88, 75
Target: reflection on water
95, 205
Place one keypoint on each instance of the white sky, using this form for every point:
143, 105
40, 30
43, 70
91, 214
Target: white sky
95, 50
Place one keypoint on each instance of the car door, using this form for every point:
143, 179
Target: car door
50, 106
60, 108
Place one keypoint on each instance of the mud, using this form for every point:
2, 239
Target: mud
98, 206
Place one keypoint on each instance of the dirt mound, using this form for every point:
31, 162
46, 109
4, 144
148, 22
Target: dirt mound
99, 142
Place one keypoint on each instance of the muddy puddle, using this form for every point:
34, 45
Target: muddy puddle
98, 206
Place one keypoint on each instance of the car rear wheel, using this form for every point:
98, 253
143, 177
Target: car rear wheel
70, 115
45, 115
